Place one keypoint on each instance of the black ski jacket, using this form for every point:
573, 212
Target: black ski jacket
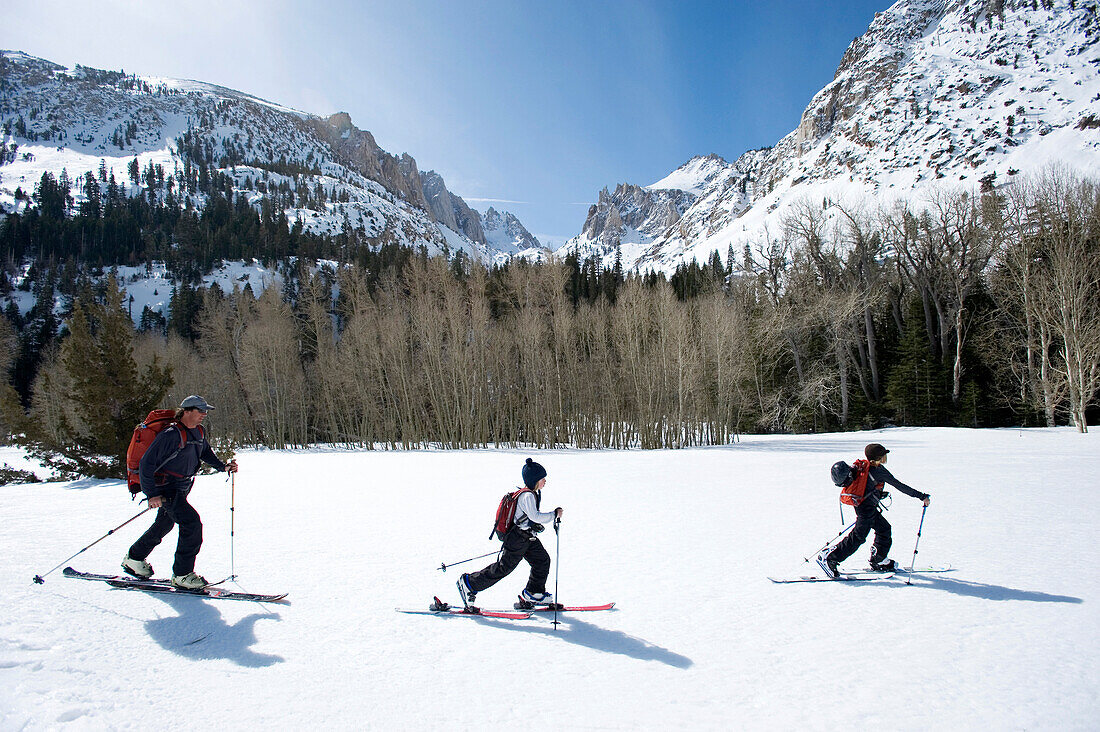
878, 475
161, 472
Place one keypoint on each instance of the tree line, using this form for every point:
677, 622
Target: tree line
972, 310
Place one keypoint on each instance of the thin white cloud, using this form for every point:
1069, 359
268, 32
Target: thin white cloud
494, 200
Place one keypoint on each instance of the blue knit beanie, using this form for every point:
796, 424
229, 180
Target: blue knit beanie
532, 473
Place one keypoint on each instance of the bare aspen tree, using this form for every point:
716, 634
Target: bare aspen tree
1016, 285
598, 383
435, 307
633, 334
675, 357
1068, 216
221, 326
865, 273
399, 365
271, 371
971, 241
830, 299
371, 394
49, 399
563, 360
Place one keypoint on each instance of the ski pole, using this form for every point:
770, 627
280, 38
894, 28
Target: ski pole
830, 541
557, 565
909, 581
41, 578
232, 520
444, 565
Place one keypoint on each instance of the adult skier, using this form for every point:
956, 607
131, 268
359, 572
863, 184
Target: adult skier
167, 472
869, 516
520, 542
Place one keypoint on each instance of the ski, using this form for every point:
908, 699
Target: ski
898, 570
441, 608
566, 608
925, 570
217, 593
160, 581
166, 587
844, 577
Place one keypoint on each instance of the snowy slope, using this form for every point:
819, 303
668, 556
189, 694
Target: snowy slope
695, 175
682, 540
152, 286
937, 93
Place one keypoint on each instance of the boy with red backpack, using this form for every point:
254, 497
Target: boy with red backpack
520, 542
864, 491
167, 471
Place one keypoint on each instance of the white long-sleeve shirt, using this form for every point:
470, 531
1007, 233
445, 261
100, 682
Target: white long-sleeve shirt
526, 512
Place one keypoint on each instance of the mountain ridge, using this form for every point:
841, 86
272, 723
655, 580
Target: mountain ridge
55, 118
966, 93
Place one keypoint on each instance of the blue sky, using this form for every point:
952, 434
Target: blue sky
531, 107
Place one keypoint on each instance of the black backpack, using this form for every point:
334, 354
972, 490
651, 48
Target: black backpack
843, 474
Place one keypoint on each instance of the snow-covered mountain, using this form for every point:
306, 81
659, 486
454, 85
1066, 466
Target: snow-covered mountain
506, 234
961, 93
696, 175
326, 172
631, 217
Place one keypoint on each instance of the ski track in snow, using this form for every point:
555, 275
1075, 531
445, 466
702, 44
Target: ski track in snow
681, 540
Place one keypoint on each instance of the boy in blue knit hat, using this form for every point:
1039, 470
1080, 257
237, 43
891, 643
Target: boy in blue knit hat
520, 542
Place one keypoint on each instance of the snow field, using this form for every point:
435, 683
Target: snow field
681, 540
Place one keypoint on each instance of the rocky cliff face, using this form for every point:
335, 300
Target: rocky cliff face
357, 149
449, 209
630, 218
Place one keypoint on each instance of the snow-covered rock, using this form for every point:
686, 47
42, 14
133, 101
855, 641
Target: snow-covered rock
506, 234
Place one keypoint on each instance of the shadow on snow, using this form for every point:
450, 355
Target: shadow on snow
988, 592
199, 632
593, 636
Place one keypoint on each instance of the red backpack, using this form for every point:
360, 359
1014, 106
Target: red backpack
144, 434
852, 494
506, 513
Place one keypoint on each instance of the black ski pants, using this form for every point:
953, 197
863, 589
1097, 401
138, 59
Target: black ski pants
518, 544
868, 517
172, 513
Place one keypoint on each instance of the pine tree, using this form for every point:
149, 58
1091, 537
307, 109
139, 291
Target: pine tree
183, 311
918, 386
105, 395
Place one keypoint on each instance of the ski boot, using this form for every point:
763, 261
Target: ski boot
189, 581
137, 567
828, 565
466, 593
